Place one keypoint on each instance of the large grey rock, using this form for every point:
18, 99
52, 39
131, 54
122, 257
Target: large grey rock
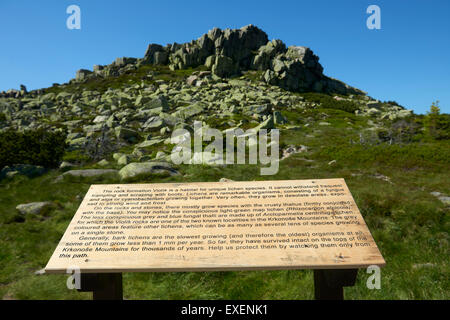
238, 44
191, 80
135, 168
34, 207
87, 173
209, 62
224, 67
306, 56
270, 77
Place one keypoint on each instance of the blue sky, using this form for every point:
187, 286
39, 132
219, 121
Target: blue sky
406, 61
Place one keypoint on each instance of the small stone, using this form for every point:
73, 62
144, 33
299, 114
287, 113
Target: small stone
135, 168
87, 173
191, 80
123, 160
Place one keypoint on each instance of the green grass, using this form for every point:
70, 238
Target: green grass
409, 225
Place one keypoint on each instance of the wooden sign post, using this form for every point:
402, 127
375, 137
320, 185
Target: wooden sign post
217, 226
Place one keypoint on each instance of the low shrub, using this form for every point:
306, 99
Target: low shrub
327, 101
423, 155
36, 147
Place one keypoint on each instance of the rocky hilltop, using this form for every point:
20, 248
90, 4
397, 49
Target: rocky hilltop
226, 78
229, 52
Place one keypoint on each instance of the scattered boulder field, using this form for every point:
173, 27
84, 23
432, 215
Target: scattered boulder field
232, 78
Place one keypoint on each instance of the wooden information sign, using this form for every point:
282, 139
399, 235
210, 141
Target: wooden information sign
212, 226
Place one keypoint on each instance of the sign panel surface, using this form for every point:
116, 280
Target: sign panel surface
210, 226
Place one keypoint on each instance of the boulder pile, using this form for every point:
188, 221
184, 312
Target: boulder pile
228, 53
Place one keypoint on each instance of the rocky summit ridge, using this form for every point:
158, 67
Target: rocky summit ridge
229, 52
226, 79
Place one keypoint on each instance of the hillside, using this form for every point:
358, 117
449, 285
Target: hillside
114, 125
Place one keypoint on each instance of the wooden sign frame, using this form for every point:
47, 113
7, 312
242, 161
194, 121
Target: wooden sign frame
284, 224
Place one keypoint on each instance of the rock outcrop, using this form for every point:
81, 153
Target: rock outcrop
140, 110
228, 53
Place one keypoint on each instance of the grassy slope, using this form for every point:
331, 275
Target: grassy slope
409, 225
